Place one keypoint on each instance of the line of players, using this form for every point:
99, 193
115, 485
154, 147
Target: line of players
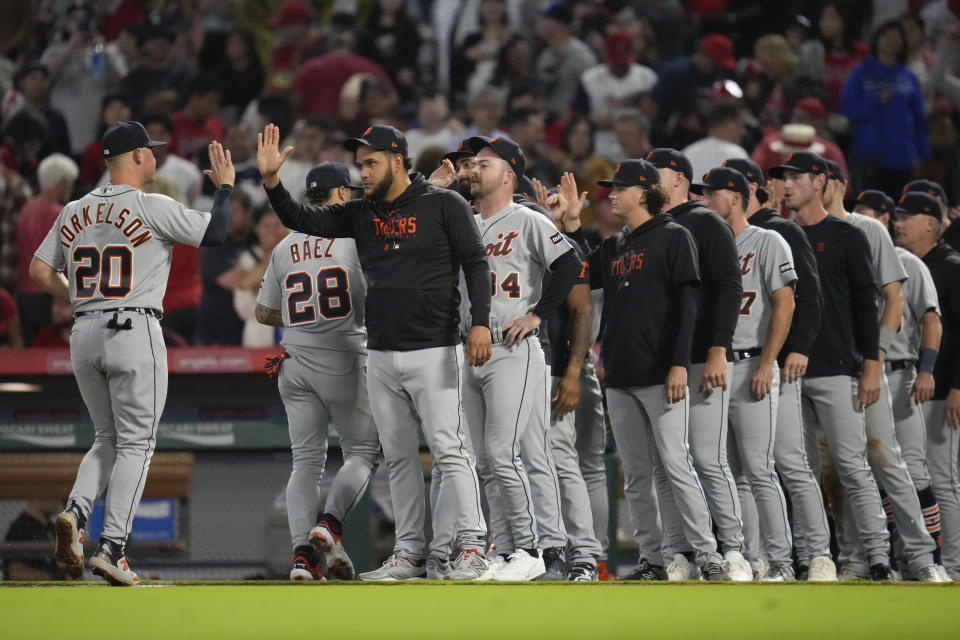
737, 349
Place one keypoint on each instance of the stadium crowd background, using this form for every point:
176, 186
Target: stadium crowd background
580, 85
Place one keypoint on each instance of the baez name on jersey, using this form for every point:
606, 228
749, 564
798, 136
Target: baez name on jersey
311, 247
104, 215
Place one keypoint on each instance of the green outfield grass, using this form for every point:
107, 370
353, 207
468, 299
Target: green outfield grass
333, 611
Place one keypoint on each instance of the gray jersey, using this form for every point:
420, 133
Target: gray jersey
319, 288
919, 296
520, 245
886, 265
114, 246
766, 264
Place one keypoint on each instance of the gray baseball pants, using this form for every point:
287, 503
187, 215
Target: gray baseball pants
591, 443
942, 451
538, 458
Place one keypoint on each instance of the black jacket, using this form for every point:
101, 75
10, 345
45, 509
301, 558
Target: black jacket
808, 296
721, 288
944, 265
411, 251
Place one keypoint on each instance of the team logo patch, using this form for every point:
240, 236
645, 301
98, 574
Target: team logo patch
786, 266
556, 238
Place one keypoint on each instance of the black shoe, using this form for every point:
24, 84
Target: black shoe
880, 572
556, 568
647, 572
306, 565
713, 571
802, 572
583, 572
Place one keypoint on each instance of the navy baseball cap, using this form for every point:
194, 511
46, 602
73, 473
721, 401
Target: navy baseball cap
724, 178
632, 173
463, 151
525, 188
381, 137
801, 162
916, 203
750, 169
328, 175
927, 186
666, 158
834, 172
503, 147
124, 137
877, 200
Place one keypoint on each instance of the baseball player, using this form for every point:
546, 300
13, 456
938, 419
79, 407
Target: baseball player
899, 497
114, 246
456, 169
918, 229
951, 232
766, 267
412, 240
314, 287
712, 354
649, 275
520, 245
843, 374
811, 530
909, 363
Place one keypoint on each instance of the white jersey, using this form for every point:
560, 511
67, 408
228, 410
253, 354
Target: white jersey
886, 265
520, 244
919, 297
114, 246
766, 264
318, 286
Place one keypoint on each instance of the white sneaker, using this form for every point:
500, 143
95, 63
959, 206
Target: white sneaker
760, 568
682, 569
69, 551
110, 563
331, 546
437, 568
929, 574
395, 568
496, 562
942, 572
822, 569
469, 565
520, 567
779, 573
737, 567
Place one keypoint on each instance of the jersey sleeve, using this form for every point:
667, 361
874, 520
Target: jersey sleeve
682, 259
271, 294
172, 221
544, 240
887, 265
920, 292
50, 251
778, 270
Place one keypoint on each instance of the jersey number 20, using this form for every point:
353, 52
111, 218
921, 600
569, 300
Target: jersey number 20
333, 295
110, 270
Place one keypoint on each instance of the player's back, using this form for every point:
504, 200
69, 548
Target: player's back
766, 264
114, 246
319, 287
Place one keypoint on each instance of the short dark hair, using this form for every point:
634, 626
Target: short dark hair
722, 112
890, 25
203, 84
319, 195
156, 117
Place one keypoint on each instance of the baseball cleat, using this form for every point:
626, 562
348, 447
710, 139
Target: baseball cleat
822, 569
554, 565
520, 566
69, 551
713, 571
880, 573
603, 574
682, 569
437, 568
331, 546
647, 572
582, 572
929, 574
942, 572
760, 567
737, 567
395, 568
496, 561
779, 573
468, 565
306, 566
110, 563
849, 574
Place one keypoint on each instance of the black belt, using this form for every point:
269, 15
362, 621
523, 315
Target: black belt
898, 365
746, 354
156, 313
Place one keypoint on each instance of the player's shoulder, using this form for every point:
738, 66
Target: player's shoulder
909, 260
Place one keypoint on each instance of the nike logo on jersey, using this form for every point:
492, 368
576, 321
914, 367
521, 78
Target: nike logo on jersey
503, 246
104, 215
311, 248
745, 261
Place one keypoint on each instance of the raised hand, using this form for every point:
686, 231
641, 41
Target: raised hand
269, 157
543, 194
221, 169
556, 206
568, 189
444, 175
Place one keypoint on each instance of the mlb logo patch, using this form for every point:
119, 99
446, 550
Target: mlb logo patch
786, 266
556, 238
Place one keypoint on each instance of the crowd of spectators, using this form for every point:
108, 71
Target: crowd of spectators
579, 84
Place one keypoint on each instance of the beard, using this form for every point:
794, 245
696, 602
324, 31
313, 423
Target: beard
463, 188
381, 189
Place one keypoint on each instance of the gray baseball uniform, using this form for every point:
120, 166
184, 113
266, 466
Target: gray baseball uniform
591, 442
114, 246
319, 288
766, 265
498, 398
884, 451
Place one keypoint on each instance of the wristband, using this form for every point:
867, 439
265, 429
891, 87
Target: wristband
928, 358
225, 187
887, 335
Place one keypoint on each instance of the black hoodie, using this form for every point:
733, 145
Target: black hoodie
411, 251
944, 265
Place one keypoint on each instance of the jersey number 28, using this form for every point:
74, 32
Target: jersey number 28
333, 295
